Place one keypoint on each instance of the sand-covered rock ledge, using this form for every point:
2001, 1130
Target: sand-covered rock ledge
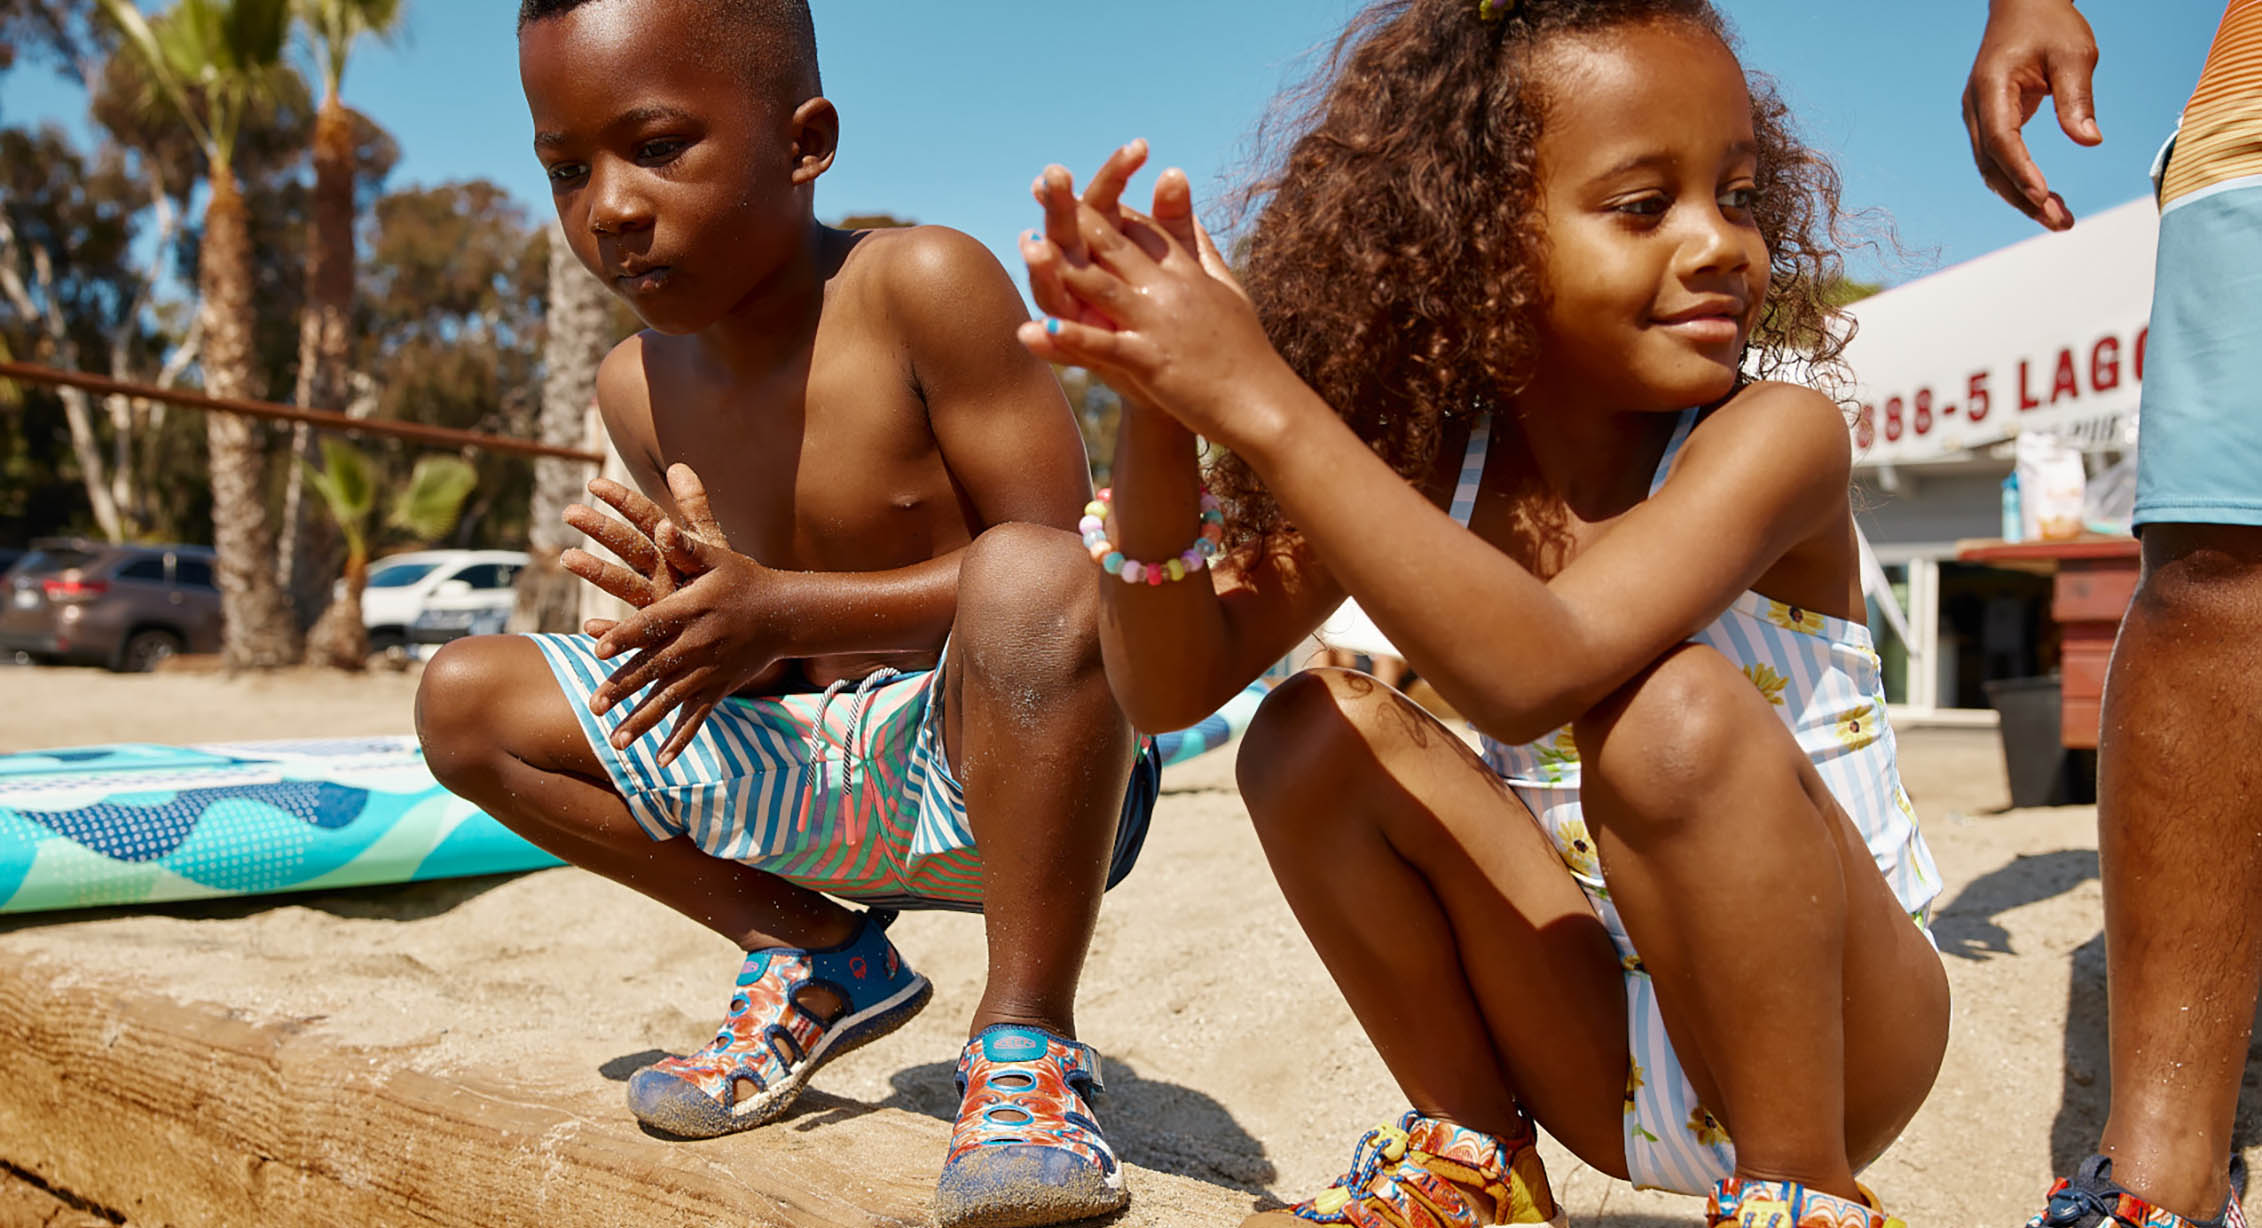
454, 1053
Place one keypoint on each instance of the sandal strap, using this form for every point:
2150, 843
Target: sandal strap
1024, 1086
1412, 1173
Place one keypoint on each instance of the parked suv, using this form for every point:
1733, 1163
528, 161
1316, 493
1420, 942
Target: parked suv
126, 607
432, 596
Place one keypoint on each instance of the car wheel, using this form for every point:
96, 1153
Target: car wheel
146, 650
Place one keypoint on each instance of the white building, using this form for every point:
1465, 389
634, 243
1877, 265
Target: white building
2048, 334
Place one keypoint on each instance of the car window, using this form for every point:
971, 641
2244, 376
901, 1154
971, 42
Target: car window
399, 575
53, 558
192, 573
486, 575
151, 570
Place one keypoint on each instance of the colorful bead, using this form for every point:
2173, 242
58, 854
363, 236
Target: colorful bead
1193, 559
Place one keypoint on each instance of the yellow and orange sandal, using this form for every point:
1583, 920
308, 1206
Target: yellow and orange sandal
1746, 1202
1420, 1173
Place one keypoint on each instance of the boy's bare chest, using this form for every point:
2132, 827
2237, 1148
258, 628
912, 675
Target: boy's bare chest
835, 471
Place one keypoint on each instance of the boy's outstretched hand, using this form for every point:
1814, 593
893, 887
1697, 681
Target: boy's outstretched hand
707, 621
1147, 302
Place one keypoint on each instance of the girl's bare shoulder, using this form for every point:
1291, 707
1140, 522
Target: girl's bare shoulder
1776, 424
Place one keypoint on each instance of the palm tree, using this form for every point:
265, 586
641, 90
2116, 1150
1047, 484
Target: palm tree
579, 329
213, 61
426, 509
334, 26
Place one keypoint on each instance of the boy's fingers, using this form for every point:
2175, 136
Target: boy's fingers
652, 711
630, 546
691, 501
630, 587
595, 628
686, 552
686, 727
639, 511
641, 671
1105, 190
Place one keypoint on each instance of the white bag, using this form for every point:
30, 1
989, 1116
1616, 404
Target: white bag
2051, 485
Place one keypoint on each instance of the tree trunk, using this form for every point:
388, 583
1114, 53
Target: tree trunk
57, 346
579, 334
339, 638
261, 632
322, 348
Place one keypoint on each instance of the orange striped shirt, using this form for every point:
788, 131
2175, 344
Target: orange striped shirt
2221, 139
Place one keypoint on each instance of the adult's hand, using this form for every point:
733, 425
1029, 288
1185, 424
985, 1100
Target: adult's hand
2032, 48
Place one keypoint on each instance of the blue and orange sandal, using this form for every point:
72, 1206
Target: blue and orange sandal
1419, 1170
2091, 1199
770, 1043
1027, 1149
1746, 1202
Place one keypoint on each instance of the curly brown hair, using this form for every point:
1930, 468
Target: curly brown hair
1395, 257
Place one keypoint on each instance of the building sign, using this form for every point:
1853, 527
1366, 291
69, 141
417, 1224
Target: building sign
2048, 334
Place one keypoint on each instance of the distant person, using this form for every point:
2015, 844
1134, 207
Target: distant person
2182, 734
872, 624
1514, 268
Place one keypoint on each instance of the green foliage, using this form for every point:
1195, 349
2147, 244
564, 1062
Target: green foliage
348, 491
1845, 291
427, 509
213, 61
335, 25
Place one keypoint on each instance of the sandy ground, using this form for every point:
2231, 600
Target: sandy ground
1230, 1057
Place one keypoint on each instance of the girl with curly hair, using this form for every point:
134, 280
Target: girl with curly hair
1500, 372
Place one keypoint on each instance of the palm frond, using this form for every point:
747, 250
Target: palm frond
348, 490
428, 507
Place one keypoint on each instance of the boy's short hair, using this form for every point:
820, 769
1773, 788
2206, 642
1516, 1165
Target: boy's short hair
775, 40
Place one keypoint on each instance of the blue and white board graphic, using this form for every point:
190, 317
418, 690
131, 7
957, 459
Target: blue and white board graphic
146, 824
141, 824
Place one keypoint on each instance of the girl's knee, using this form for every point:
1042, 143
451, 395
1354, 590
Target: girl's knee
1306, 735
1672, 734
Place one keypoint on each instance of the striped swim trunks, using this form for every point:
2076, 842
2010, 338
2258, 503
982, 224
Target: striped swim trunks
847, 791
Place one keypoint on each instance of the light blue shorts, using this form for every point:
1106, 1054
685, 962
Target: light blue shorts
2199, 444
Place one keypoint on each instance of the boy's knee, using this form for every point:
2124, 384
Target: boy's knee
1671, 734
1028, 604
459, 705
1307, 731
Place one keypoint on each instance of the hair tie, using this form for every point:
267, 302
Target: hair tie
1489, 11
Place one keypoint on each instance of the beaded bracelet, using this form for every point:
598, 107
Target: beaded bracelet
1132, 571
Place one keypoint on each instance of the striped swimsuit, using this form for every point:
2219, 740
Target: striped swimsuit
1824, 679
846, 791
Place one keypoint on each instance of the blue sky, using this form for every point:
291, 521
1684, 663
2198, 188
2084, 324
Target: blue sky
950, 109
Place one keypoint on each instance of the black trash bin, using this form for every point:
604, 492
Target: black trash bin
2042, 771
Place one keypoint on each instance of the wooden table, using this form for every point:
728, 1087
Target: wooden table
2095, 575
